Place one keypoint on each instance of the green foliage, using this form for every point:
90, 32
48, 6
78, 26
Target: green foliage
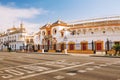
9, 49
116, 47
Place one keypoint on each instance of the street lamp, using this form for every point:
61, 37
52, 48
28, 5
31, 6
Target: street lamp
107, 44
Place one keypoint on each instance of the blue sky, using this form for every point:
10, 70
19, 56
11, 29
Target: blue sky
44, 11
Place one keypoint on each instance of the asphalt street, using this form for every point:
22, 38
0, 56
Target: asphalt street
28, 66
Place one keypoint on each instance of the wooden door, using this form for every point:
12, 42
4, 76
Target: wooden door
84, 46
98, 46
71, 46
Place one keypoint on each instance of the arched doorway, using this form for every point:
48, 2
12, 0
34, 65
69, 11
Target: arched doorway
71, 45
54, 43
99, 45
62, 46
84, 45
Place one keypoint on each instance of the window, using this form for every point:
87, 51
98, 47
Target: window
27, 40
92, 32
73, 32
54, 31
48, 32
117, 43
31, 40
103, 31
62, 34
43, 33
78, 32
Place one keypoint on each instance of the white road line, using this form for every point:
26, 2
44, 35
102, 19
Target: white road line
97, 67
59, 77
108, 64
102, 65
24, 65
71, 74
90, 69
115, 63
82, 71
51, 71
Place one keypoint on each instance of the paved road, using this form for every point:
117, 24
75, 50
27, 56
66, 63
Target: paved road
24, 66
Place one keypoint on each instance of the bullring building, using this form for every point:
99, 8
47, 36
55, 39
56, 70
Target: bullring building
85, 36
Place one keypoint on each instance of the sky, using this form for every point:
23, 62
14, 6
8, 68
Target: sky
36, 13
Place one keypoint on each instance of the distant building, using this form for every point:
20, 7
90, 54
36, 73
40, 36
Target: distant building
15, 38
87, 36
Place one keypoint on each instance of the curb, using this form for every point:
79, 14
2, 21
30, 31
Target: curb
104, 56
52, 53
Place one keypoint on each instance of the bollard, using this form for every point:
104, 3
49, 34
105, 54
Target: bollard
42, 50
65, 51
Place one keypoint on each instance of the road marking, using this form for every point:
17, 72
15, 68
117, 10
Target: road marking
82, 71
14, 72
51, 71
27, 71
115, 63
90, 69
71, 74
102, 65
97, 67
108, 64
24, 65
59, 77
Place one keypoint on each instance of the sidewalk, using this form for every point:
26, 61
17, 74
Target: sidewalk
70, 54
78, 54
108, 56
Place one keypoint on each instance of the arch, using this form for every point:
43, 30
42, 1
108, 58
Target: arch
73, 32
78, 32
54, 31
43, 33
90, 31
62, 45
103, 30
96, 30
110, 29
117, 28
84, 31
54, 42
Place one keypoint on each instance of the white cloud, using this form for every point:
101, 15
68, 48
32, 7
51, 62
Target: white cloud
10, 16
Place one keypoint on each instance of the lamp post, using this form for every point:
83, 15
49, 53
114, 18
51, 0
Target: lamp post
93, 46
65, 40
107, 45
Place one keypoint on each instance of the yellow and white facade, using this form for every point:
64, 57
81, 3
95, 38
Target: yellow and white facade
84, 36
16, 37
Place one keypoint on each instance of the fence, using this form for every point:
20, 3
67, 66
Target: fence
93, 46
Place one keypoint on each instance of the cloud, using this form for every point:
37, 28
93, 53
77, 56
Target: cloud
10, 16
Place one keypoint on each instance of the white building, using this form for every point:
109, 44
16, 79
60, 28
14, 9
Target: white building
86, 36
15, 38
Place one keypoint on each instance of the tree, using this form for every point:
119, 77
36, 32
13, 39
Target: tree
116, 47
7, 44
